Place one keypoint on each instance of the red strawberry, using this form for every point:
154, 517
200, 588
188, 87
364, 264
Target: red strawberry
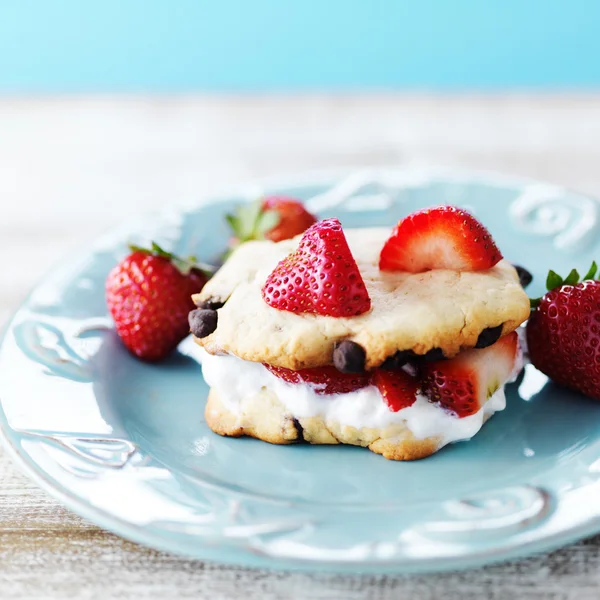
326, 380
444, 237
273, 218
464, 383
294, 219
149, 298
320, 277
563, 332
398, 388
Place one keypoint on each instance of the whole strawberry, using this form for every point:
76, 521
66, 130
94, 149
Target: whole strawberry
563, 332
149, 297
272, 218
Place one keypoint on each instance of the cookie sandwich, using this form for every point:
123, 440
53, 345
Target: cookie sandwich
399, 340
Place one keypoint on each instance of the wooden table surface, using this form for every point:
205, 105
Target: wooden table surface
72, 167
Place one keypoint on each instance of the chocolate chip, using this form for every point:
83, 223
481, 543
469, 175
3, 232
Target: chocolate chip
299, 429
488, 337
211, 304
434, 354
349, 357
525, 277
397, 361
203, 322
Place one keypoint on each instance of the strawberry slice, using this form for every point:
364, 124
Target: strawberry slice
464, 383
398, 388
445, 237
320, 277
325, 380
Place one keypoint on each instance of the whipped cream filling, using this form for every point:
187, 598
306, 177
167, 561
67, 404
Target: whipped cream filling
237, 380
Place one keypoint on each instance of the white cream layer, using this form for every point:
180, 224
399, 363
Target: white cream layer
236, 380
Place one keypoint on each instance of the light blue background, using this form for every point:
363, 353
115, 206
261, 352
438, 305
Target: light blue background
163, 45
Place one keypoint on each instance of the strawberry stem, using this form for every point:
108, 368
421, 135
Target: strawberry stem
184, 265
251, 222
554, 280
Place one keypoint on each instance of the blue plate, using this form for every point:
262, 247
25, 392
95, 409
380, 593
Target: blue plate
125, 443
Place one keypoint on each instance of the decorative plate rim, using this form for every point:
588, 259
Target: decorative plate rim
138, 535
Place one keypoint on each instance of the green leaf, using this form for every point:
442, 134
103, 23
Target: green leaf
572, 278
233, 223
250, 222
158, 251
553, 280
592, 272
266, 221
184, 265
534, 302
248, 215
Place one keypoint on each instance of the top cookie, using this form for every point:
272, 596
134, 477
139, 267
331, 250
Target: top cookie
437, 309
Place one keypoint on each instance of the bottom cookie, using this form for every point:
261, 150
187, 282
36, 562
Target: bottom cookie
264, 417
